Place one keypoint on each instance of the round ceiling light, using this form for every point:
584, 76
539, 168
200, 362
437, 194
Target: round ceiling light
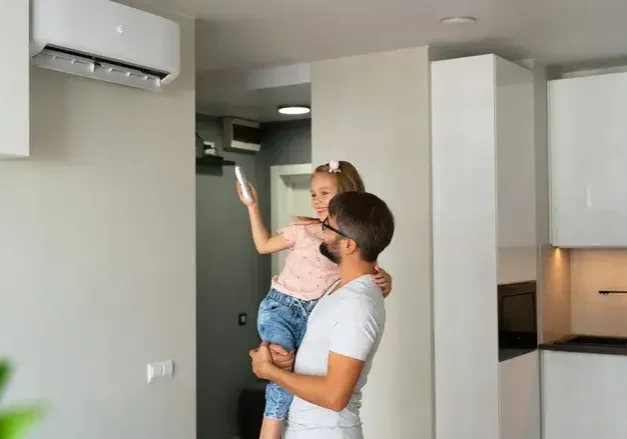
458, 20
294, 110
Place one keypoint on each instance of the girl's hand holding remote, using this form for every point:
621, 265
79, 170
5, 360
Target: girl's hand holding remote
252, 191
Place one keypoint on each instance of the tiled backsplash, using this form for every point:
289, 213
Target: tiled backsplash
591, 271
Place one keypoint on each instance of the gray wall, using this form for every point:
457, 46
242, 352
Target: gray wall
232, 278
284, 143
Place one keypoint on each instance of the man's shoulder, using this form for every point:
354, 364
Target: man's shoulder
362, 286
363, 292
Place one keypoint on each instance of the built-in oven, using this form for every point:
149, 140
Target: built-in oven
518, 321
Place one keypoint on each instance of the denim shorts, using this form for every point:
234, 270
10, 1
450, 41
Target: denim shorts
282, 320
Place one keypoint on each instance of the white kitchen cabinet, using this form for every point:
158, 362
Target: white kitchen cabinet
584, 396
483, 193
588, 159
14, 79
519, 395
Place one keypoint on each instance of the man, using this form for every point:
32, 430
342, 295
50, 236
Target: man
344, 329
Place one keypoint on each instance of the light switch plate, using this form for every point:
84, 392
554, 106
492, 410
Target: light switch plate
160, 370
242, 319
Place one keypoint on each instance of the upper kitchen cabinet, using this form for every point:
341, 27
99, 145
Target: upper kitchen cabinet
588, 161
15, 79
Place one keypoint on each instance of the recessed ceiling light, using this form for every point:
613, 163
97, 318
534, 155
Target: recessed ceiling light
458, 20
294, 109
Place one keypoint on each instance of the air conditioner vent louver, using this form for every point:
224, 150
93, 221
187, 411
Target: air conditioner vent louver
92, 67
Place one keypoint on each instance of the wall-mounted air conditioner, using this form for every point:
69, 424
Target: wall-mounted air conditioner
104, 40
241, 135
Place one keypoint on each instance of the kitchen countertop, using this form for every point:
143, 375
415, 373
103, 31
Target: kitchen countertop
509, 353
589, 344
513, 344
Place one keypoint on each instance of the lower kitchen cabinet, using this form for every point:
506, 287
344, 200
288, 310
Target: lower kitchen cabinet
584, 395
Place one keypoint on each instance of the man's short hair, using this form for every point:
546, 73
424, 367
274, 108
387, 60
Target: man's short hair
366, 219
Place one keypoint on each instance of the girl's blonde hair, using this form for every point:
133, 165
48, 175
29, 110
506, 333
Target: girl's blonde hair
346, 176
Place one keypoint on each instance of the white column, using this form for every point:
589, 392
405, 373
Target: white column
465, 249
374, 111
484, 230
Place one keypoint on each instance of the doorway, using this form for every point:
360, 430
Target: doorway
289, 198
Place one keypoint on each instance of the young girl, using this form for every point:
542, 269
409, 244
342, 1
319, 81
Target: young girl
307, 275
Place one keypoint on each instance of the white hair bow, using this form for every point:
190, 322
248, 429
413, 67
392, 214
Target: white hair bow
334, 167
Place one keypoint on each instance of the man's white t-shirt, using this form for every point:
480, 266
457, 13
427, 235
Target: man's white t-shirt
350, 322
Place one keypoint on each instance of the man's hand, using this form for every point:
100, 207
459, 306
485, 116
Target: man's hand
281, 358
262, 361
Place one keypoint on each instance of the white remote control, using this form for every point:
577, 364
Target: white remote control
244, 184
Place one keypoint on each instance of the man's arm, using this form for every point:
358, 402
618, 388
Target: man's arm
332, 391
352, 339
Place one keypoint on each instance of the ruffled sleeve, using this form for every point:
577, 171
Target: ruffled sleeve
292, 234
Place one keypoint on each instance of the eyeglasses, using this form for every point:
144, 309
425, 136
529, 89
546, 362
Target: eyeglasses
325, 225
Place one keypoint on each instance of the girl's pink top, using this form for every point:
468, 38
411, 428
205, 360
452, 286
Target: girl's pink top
307, 274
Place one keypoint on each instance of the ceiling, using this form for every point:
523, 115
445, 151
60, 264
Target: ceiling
258, 105
244, 35
253, 94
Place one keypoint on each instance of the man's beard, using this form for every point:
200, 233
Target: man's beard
325, 250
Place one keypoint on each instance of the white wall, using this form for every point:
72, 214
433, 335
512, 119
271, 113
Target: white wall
97, 254
515, 174
553, 298
14, 83
553, 271
374, 111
